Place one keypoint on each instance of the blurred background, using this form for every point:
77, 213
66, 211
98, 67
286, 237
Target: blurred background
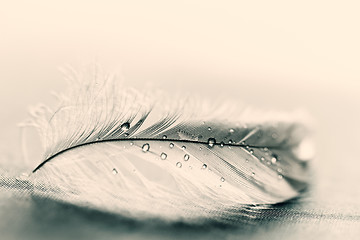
282, 55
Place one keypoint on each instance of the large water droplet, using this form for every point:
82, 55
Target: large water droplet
114, 171
211, 142
125, 126
204, 166
145, 147
163, 156
186, 157
171, 145
178, 164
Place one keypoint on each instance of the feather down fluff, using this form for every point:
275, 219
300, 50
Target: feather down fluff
145, 154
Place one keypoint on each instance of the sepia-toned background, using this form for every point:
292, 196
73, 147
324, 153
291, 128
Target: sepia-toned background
282, 55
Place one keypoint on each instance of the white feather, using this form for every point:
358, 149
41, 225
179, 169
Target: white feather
94, 157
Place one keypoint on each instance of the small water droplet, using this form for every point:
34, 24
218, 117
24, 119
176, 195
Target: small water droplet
222, 144
242, 143
253, 174
164, 137
186, 157
114, 171
209, 128
222, 179
171, 145
200, 148
131, 143
265, 149
211, 142
204, 166
230, 141
163, 156
183, 147
231, 130
126, 134
145, 147
125, 126
178, 164
280, 176
247, 160
262, 158
247, 147
273, 160
251, 151
279, 170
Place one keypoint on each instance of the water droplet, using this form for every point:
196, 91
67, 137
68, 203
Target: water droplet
230, 141
262, 158
252, 174
211, 142
125, 126
273, 160
280, 176
209, 128
171, 145
131, 143
114, 171
247, 147
231, 130
265, 149
200, 148
164, 137
222, 144
126, 134
251, 151
279, 170
186, 157
204, 166
163, 156
183, 147
242, 143
145, 147
247, 160
178, 164
222, 179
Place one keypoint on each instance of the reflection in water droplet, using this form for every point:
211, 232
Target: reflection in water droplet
186, 157
125, 126
178, 164
114, 171
222, 179
183, 147
231, 130
211, 142
145, 147
171, 145
164, 137
163, 156
222, 144
204, 166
